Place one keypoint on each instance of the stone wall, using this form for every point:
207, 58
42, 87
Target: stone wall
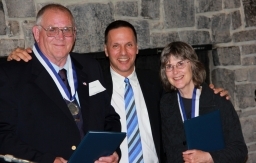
230, 25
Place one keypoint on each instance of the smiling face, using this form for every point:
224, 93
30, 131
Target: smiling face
121, 48
180, 78
57, 48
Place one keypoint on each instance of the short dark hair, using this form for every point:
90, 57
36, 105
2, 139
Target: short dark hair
118, 24
182, 50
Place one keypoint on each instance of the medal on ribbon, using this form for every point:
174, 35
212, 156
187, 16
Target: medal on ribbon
73, 108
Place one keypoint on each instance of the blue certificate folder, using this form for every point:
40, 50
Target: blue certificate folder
205, 132
95, 145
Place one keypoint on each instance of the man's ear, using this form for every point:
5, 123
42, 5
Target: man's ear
137, 50
36, 32
106, 51
75, 34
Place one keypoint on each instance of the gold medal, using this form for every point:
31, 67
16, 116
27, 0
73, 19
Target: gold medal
73, 108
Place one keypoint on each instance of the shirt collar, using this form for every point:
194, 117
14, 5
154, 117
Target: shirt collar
119, 79
57, 68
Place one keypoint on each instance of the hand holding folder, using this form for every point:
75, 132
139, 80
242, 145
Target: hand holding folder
205, 132
95, 145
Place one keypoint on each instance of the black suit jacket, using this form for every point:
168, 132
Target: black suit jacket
152, 91
35, 123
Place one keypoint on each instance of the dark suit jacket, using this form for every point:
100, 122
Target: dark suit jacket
35, 123
152, 91
174, 138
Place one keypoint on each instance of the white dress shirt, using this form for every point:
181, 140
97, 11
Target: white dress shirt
117, 101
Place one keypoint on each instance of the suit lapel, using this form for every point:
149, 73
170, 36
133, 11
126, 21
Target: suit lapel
108, 81
151, 97
47, 85
146, 88
83, 92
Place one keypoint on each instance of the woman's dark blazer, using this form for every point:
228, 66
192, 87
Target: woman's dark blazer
173, 131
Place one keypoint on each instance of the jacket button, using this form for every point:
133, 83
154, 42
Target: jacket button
184, 143
73, 147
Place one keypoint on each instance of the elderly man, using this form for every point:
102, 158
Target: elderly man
48, 104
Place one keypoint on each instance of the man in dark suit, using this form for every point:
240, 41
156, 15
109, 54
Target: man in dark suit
42, 117
121, 48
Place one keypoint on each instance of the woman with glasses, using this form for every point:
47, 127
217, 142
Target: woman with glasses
187, 97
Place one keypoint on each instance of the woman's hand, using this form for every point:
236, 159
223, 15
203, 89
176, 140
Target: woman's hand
197, 156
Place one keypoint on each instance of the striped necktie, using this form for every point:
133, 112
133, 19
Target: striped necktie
133, 133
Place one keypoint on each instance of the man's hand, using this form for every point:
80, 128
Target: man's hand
60, 160
20, 54
197, 156
222, 91
109, 159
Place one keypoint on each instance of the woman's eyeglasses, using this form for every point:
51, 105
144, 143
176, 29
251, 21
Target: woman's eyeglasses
179, 65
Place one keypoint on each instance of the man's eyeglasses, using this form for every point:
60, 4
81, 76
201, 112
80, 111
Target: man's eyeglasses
53, 31
179, 65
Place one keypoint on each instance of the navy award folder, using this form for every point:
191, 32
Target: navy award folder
95, 145
205, 132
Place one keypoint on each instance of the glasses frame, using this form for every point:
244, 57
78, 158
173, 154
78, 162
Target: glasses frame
172, 66
59, 29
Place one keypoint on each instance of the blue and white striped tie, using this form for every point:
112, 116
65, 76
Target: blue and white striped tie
133, 133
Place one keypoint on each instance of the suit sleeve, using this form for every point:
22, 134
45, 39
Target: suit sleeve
112, 119
9, 140
235, 148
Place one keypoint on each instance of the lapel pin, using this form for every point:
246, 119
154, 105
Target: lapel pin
84, 83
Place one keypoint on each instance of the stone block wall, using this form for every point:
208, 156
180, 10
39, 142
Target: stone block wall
230, 25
